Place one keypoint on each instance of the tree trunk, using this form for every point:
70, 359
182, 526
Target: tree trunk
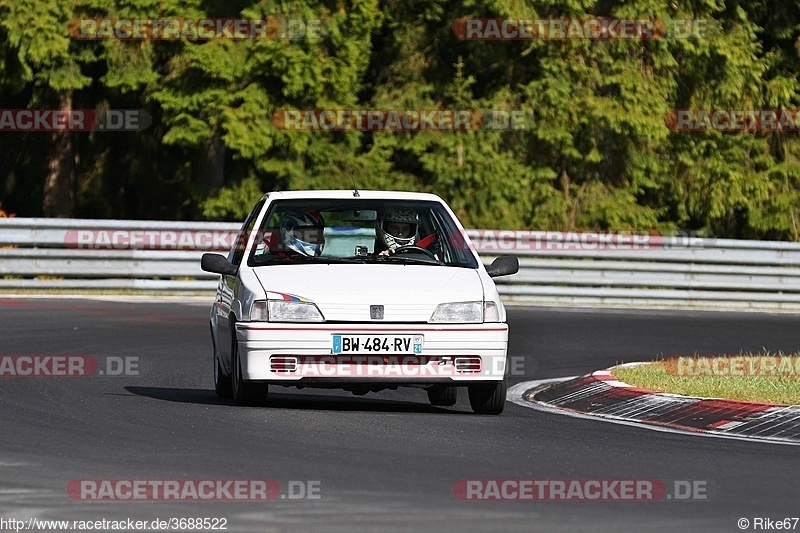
210, 170
59, 197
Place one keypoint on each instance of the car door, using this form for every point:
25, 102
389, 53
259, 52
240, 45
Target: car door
229, 286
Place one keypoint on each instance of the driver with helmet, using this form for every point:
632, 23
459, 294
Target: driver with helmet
300, 233
395, 227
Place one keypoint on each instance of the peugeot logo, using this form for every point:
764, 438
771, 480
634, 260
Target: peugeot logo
376, 312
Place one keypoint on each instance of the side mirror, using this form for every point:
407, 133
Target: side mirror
218, 264
503, 266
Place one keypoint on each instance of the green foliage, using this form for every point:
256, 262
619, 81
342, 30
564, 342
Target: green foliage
37, 47
597, 156
233, 202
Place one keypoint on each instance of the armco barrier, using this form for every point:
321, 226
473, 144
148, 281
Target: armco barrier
555, 267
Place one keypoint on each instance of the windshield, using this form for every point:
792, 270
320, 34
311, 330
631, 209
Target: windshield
360, 231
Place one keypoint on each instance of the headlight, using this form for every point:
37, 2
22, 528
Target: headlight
458, 313
282, 311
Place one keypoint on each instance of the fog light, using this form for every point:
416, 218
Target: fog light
281, 364
469, 365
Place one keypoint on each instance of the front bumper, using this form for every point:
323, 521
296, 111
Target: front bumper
286, 353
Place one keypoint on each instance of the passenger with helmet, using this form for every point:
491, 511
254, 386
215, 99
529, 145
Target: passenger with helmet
300, 233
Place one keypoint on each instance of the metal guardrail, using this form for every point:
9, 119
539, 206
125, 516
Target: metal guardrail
557, 268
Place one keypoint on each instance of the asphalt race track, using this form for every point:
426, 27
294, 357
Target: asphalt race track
384, 462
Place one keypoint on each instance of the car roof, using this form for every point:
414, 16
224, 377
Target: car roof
348, 194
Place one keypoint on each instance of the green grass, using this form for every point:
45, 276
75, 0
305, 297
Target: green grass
660, 376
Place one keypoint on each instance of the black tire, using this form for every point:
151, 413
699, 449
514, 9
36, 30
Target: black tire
245, 392
222, 383
443, 395
488, 398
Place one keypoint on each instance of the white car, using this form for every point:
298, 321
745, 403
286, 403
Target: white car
362, 291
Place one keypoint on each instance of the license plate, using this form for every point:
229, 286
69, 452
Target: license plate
401, 344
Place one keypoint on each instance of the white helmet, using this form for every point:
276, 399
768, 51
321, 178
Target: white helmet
403, 215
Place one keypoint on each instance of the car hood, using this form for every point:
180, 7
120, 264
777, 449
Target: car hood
409, 293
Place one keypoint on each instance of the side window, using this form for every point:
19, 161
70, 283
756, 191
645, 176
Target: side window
237, 252
268, 230
455, 249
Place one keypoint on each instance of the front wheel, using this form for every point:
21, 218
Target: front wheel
245, 392
222, 383
488, 398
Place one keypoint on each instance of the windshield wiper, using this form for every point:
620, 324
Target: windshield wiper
414, 260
